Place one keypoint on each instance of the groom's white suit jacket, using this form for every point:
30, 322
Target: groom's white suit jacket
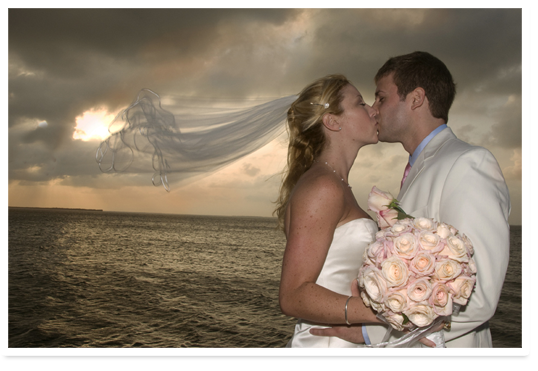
462, 185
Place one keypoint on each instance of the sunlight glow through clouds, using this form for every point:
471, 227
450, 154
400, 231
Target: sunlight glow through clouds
93, 124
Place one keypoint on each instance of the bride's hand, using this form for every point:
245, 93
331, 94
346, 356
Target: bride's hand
353, 333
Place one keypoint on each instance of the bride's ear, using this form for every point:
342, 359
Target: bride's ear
329, 121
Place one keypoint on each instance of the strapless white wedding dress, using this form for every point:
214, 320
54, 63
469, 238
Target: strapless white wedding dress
341, 266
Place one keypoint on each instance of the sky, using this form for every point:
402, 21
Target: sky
70, 71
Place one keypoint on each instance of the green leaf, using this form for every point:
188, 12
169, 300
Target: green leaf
401, 215
406, 319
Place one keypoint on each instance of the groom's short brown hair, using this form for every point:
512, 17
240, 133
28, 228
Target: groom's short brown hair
421, 69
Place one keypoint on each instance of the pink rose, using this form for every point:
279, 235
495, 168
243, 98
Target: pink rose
441, 299
406, 246
447, 269
419, 290
423, 264
430, 241
376, 252
455, 249
379, 200
462, 287
387, 218
395, 272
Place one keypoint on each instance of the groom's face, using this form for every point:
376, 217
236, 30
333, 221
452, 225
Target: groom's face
391, 111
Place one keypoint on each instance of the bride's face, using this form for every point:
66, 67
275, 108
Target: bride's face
358, 120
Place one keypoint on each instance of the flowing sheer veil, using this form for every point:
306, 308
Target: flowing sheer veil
146, 138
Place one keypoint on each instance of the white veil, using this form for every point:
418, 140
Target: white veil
146, 138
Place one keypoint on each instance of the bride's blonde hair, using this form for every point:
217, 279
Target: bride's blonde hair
305, 128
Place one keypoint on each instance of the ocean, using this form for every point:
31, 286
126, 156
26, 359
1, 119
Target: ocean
93, 279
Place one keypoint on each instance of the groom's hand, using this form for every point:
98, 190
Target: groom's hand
352, 334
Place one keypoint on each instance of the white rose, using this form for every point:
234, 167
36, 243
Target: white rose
360, 276
380, 235
462, 287
421, 315
443, 230
419, 290
396, 321
396, 301
395, 272
472, 265
402, 226
374, 283
365, 298
467, 243
424, 224
447, 269
406, 246
453, 230
378, 307
365, 259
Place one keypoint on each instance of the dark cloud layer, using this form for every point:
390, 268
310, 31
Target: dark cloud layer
63, 62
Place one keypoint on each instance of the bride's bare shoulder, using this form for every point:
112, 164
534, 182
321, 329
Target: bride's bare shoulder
318, 185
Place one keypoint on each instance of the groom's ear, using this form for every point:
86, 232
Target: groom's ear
329, 121
418, 96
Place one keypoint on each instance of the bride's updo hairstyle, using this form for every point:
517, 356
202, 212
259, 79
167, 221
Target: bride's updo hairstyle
305, 127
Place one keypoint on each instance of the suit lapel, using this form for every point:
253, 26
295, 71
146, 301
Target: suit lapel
425, 156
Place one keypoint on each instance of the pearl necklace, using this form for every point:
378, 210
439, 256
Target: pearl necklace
334, 171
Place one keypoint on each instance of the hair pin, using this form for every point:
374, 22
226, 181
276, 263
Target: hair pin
326, 105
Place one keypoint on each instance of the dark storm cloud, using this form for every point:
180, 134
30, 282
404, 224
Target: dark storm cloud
63, 62
59, 41
479, 46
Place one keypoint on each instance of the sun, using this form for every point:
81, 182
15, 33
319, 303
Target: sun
93, 125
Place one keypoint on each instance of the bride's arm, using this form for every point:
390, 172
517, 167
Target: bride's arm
316, 208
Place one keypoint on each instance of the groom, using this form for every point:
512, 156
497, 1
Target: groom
446, 179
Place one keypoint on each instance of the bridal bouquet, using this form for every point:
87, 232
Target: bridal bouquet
418, 269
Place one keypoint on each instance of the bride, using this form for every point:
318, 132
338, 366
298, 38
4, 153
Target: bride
326, 229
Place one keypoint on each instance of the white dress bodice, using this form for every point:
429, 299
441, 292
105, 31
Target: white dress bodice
341, 266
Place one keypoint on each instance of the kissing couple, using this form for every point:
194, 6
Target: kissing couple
326, 229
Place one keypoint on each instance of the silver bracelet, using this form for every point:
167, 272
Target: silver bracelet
347, 322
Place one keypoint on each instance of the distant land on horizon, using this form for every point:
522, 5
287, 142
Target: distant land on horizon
52, 208
140, 212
